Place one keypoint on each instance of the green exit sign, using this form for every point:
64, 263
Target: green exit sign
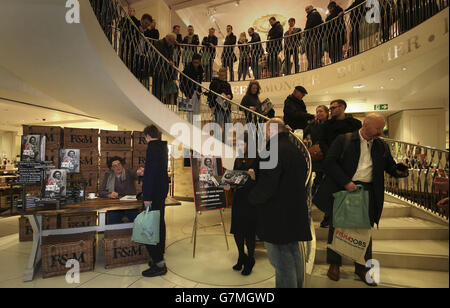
381, 107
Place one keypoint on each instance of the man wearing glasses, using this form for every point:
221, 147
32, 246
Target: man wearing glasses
340, 123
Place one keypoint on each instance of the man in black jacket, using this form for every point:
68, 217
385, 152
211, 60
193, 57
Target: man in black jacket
291, 44
191, 90
193, 40
357, 158
335, 31
177, 50
209, 53
163, 70
155, 188
340, 123
256, 51
274, 46
219, 107
295, 114
313, 37
356, 10
228, 55
280, 195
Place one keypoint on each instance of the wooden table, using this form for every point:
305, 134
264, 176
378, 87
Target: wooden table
101, 206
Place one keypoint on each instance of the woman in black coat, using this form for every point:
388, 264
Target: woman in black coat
244, 215
251, 101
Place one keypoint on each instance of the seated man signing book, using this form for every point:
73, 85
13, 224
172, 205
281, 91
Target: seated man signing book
117, 183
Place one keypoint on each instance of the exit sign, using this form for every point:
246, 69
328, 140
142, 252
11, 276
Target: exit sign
381, 107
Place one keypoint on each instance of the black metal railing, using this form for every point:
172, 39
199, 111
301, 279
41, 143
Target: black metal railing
428, 179
350, 33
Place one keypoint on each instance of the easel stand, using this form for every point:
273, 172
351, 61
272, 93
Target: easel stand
195, 229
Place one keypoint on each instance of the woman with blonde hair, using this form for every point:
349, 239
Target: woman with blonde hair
244, 56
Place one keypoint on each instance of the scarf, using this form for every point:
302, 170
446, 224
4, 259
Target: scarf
111, 182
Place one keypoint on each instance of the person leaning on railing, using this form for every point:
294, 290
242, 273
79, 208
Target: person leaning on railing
256, 51
251, 101
228, 55
126, 48
163, 71
192, 91
291, 47
274, 46
295, 114
208, 52
356, 14
335, 32
193, 40
244, 55
313, 37
177, 49
220, 108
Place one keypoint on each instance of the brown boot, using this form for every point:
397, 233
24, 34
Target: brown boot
363, 276
333, 272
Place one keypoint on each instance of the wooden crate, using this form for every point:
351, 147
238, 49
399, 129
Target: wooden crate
53, 134
139, 142
80, 138
90, 178
115, 140
52, 154
57, 249
139, 159
107, 155
49, 222
89, 160
120, 250
77, 220
5, 200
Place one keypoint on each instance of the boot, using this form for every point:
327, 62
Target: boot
333, 272
248, 266
241, 261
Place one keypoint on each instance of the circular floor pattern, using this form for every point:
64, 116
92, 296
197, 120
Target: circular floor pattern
212, 264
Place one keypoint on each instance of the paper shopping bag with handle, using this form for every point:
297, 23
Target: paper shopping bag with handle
351, 243
146, 228
351, 209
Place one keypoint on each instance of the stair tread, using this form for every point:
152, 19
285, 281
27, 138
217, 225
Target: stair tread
415, 247
389, 277
405, 223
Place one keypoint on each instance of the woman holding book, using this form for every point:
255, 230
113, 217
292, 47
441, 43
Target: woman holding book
244, 215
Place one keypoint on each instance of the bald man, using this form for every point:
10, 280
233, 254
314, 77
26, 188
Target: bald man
358, 158
280, 198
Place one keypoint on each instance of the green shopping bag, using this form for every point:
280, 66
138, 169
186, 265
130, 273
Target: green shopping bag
351, 209
146, 228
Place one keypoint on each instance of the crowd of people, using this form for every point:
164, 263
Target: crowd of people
336, 35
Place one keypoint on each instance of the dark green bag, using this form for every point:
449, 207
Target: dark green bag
351, 209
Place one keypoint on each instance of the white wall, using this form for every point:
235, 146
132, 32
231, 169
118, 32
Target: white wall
426, 127
9, 144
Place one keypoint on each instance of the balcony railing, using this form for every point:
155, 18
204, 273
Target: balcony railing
350, 33
428, 180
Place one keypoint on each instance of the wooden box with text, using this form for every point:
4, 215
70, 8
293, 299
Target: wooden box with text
88, 160
90, 179
57, 249
49, 222
139, 159
53, 134
80, 138
139, 143
107, 155
120, 250
52, 154
78, 220
115, 140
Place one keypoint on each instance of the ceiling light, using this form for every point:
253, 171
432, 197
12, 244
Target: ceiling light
381, 87
392, 79
327, 12
404, 68
236, 3
213, 19
359, 86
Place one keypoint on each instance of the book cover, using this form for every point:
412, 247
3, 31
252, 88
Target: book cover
70, 160
33, 148
234, 178
56, 183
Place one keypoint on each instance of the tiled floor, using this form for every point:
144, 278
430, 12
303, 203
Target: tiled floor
212, 255
179, 219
